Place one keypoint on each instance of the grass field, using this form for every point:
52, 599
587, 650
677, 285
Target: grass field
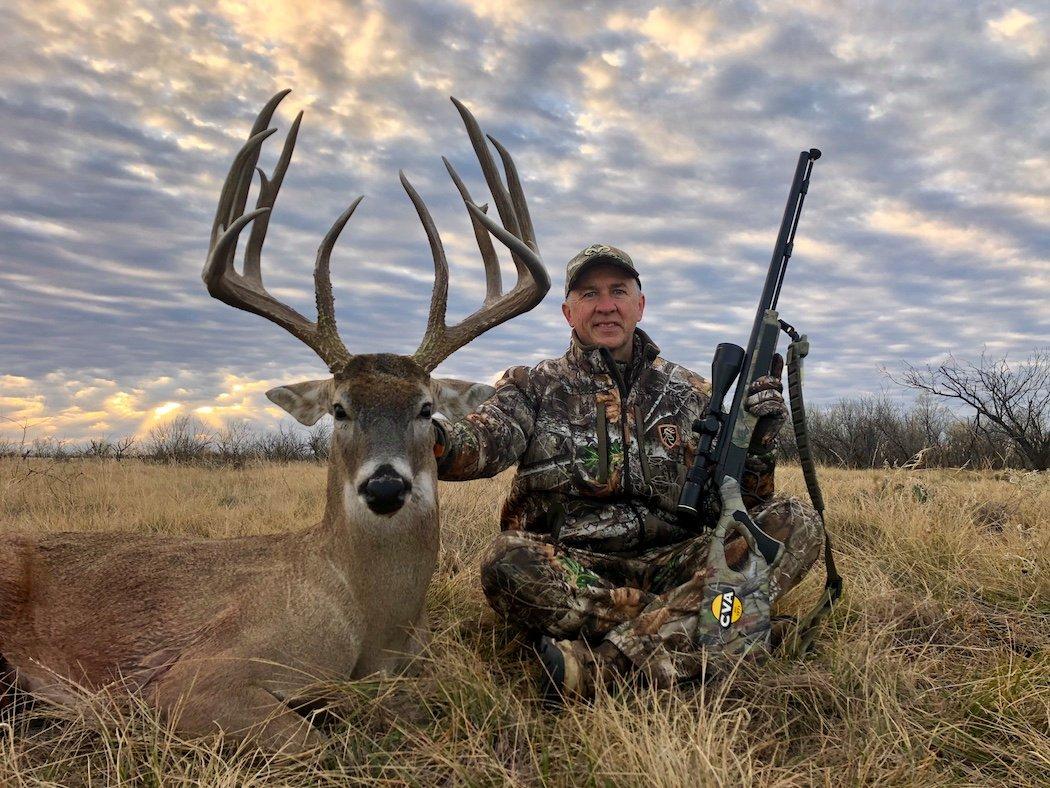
935, 669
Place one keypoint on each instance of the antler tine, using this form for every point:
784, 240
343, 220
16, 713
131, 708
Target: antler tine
240, 186
268, 189
441, 341
246, 291
532, 284
534, 280
225, 213
323, 286
488, 168
439, 295
231, 288
517, 195
509, 204
217, 266
493, 277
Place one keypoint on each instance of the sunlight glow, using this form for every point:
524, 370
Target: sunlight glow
166, 408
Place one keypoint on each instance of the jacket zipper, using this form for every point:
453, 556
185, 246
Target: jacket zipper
639, 426
618, 379
614, 372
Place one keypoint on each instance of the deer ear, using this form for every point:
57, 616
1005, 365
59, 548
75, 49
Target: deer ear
307, 401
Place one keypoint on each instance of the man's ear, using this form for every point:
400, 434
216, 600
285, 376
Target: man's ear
565, 311
307, 401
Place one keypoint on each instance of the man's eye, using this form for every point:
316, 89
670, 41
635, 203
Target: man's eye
619, 291
590, 294
426, 411
339, 411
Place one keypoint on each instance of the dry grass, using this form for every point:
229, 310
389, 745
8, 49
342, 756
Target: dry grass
934, 670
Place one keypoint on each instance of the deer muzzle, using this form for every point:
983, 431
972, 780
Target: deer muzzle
385, 491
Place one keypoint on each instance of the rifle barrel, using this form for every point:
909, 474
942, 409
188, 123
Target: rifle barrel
731, 428
759, 354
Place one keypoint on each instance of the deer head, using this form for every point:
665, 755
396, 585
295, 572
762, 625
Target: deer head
382, 444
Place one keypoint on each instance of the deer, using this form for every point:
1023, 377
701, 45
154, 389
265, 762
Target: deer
229, 635
454, 398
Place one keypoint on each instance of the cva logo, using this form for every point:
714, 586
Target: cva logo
727, 608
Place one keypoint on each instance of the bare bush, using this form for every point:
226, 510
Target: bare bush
285, 444
98, 448
235, 444
187, 440
876, 431
320, 441
124, 447
862, 432
16, 447
1011, 401
183, 439
52, 449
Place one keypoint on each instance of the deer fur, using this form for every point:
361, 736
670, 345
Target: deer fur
454, 398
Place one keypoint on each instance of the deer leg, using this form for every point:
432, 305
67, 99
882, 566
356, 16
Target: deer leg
251, 713
282, 729
419, 637
208, 701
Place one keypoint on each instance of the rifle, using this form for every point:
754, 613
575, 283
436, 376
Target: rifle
726, 435
719, 464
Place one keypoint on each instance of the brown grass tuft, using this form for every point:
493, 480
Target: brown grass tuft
934, 669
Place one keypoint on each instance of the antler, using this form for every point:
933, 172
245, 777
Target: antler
516, 233
246, 291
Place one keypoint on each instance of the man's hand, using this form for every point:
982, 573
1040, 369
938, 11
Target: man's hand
765, 399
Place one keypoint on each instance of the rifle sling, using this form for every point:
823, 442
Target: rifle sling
805, 629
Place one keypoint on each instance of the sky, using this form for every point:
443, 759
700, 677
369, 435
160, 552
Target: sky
669, 130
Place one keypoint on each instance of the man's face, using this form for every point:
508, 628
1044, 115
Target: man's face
604, 307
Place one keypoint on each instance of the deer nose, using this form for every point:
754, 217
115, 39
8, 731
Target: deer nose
385, 490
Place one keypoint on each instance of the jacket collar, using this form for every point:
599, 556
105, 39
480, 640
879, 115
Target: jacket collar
590, 358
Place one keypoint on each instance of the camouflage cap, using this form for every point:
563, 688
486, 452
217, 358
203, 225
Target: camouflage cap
594, 254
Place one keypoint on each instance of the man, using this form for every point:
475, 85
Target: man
592, 555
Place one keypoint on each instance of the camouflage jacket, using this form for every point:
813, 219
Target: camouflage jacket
601, 454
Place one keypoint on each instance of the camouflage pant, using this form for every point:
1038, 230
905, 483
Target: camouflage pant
646, 605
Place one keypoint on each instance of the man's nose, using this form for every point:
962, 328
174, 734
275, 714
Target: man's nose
606, 303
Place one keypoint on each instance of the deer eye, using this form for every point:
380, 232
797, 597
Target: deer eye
426, 411
339, 412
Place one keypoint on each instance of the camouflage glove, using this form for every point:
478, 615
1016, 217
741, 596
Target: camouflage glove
734, 616
765, 400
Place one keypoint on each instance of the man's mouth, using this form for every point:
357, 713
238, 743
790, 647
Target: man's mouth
607, 325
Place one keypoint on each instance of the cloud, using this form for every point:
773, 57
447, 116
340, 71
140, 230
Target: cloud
668, 129
948, 238
78, 409
1019, 29
691, 34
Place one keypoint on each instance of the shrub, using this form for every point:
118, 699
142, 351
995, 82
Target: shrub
183, 439
285, 444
